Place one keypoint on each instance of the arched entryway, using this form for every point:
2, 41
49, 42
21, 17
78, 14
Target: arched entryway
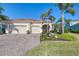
45, 27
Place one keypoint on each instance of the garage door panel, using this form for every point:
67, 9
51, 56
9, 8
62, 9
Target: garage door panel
36, 29
21, 29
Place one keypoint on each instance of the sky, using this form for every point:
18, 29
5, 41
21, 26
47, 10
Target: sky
34, 10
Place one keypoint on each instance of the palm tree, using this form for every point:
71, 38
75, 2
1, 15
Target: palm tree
47, 16
52, 19
2, 18
57, 28
1, 9
65, 8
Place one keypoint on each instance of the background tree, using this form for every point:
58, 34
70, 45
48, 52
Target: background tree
2, 16
65, 8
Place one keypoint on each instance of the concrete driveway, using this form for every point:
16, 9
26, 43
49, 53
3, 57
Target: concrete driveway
17, 44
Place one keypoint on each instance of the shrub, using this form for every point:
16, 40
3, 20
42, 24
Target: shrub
53, 37
74, 31
67, 37
43, 32
28, 31
43, 37
66, 30
3, 30
52, 31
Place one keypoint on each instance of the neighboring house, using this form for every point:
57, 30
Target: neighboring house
74, 24
21, 26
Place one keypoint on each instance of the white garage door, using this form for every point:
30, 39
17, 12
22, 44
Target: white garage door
20, 29
36, 29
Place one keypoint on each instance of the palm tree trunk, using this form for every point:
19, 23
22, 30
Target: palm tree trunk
47, 28
53, 25
42, 23
62, 23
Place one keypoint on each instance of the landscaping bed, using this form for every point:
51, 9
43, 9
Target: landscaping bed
58, 37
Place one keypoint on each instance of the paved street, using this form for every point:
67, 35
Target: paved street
17, 44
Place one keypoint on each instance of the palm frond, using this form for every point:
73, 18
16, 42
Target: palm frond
71, 11
51, 18
60, 6
43, 16
1, 9
64, 6
3, 17
60, 19
68, 5
71, 5
67, 20
46, 14
49, 11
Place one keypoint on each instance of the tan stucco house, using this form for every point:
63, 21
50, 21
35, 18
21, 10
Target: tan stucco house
21, 26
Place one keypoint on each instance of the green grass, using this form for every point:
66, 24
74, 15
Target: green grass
67, 37
75, 34
55, 48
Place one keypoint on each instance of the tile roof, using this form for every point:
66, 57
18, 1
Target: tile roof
23, 21
74, 20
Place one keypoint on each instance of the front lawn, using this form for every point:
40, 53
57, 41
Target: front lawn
76, 35
56, 48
